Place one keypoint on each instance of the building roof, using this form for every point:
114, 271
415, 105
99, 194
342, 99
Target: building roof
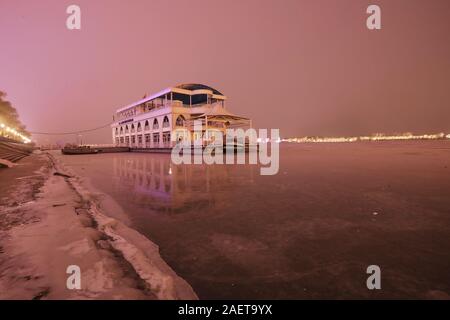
184, 88
197, 86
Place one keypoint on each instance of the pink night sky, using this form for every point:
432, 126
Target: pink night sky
306, 67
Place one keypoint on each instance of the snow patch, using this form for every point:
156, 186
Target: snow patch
7, 163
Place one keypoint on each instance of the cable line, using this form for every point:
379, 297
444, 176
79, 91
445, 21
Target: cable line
72, 132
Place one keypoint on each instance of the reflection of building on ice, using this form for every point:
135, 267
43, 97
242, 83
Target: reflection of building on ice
150, 122
165, 187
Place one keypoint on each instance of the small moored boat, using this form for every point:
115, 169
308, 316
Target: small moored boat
79, 150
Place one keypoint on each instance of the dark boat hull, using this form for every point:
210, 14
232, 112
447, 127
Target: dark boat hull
78, 151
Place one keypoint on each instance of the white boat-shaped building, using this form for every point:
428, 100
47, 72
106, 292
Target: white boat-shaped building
160, 120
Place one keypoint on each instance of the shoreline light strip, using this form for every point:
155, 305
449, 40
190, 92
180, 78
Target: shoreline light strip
377, 137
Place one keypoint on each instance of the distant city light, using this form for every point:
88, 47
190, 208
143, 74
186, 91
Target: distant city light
376, 137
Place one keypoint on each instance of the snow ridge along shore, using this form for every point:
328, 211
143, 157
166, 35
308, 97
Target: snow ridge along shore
51, 219
141, 253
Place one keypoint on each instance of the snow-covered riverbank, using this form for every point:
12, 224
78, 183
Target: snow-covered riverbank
60, 224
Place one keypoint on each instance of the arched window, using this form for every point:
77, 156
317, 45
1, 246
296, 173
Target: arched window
146, 125
126, 129
166, 122
180, 121
155, 124
121, 130
132, 127
139, 127
117, 130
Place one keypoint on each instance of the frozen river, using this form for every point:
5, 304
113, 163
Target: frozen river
308, 232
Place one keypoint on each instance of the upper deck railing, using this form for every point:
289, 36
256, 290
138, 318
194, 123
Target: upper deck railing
147, 108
